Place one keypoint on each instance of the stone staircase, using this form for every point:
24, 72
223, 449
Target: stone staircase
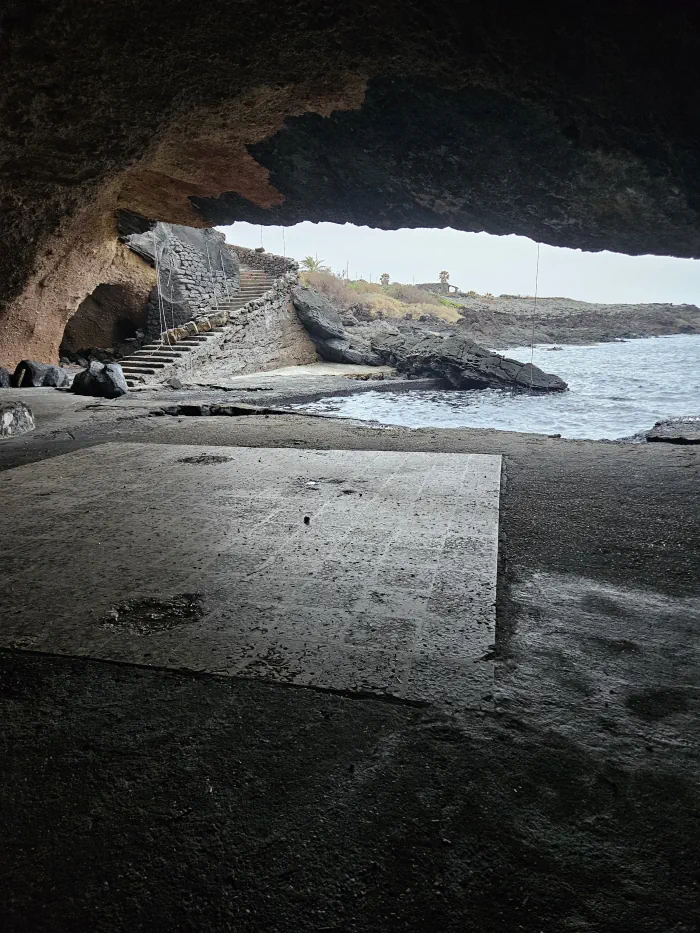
154, 361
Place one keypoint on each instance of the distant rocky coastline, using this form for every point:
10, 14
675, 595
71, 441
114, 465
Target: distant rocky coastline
507, 321
499, 321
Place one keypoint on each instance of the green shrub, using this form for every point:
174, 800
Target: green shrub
336, 290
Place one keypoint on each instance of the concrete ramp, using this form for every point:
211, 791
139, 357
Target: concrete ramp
357, 571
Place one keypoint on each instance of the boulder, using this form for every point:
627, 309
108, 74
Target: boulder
105, 380
317, 314
460, 363
676, 431
340, 350
15, 418
30, 374
5, 379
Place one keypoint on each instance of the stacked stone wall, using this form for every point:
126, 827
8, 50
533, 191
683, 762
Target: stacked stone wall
265, 262
263, 334
200, 285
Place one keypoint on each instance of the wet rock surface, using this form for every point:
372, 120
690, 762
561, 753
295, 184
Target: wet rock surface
15, 418
461, 363
150, 615
675, 431
355, 814
263, 807
103, 380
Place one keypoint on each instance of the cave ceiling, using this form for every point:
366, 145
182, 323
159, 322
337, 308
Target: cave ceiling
577, 127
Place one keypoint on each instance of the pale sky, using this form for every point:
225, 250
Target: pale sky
479, 261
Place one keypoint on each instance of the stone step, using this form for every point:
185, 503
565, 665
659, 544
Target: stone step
237, 302
147, 363
163, 357
140, 360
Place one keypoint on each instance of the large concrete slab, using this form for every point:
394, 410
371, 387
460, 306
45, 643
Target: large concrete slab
348, 570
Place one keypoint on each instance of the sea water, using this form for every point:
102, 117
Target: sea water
615, 390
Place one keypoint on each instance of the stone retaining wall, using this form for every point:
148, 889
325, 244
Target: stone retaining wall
195, 271
266, 262
263, 334
200, 284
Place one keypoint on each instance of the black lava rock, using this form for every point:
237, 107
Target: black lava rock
105, 380
30, 374
461, 363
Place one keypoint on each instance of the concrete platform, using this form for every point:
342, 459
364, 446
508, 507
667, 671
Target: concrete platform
356, 571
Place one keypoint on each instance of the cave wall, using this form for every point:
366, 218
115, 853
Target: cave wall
89, 254
104, 319
575, 125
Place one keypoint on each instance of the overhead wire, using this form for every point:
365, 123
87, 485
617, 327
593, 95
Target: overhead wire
534, 312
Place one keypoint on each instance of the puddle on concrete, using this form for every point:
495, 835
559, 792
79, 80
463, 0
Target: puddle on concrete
149, 616
206, 458
228, 410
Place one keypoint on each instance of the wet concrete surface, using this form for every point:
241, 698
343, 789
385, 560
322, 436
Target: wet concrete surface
136, 798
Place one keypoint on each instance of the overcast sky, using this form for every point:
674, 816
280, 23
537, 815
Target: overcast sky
496, 264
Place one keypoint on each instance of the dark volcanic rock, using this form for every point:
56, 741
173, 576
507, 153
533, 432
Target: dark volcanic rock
461, 363
5, 379
30, 374
326, 329
341, 350
478, 119
676, 431
15, 418
317, 314
102, 380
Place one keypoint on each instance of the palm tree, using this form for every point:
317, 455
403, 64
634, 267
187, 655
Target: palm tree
444, 277
384, 279
309, 264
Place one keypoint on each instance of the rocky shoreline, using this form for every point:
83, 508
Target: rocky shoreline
456, 360
508, 321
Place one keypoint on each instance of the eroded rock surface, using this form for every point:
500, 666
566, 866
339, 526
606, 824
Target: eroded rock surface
461, 363
317, 314
15, 418
480, 118
676, 431
326, 329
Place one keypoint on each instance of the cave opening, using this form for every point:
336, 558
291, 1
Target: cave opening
110, 322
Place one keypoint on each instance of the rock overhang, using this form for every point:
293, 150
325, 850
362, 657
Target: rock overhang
574, 126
